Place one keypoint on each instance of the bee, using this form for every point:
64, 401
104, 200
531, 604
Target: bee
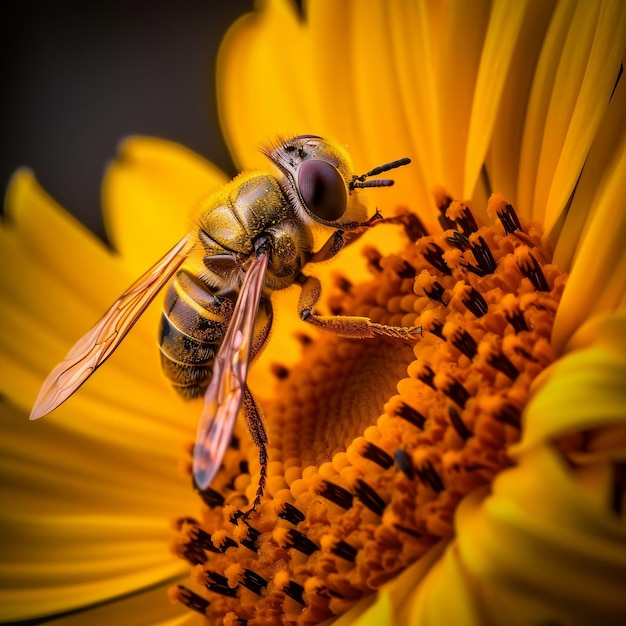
251, 238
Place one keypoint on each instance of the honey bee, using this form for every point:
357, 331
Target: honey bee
251, 238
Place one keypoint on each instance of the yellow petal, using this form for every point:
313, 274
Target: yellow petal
505, 23
263, 53
572, 86
144, 607
535, 551
504, 151
592, 238
590, 99
392, 604
149, 192
583, 389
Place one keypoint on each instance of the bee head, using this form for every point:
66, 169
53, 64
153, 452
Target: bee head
320, 180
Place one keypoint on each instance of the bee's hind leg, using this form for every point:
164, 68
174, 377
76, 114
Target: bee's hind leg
254, 422
345, 325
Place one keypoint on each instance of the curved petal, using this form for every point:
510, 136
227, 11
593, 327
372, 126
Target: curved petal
149, 192
571, 90
584, 389
505, 24
503, 158
143, 607
592, 238
109, 538
538, 550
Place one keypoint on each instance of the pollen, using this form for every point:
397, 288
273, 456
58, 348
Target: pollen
373, 443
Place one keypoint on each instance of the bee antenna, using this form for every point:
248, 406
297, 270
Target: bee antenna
359, 182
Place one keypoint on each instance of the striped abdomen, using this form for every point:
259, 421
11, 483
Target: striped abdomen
193, 324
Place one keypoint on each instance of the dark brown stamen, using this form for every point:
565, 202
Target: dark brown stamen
435, 292
434, 255
294, 591
485, 263
190, 599
301, 543
429, 477
406, 270
458, 240
290, 513
515, 317
463, 218
374, 258
411, 415
377, 455
344, 551
508, 217
340, 496
193, 553
465, 343
280, 371
436, 328
532, 270
252, 581
368, 496
458, 424
226, 543
508, 414
456, 392
219, 584
427, 376
203, 539
408, 531
304, 339
405, 463
211, 497
502, 364
343, 283
474, 302
249, 541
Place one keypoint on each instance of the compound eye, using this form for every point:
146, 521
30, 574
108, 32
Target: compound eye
323, 190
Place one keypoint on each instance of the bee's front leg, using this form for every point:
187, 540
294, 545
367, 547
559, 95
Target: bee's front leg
345, 325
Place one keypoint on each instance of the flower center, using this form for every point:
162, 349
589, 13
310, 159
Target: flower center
374, 443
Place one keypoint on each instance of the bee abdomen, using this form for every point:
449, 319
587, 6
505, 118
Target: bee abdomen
193, 324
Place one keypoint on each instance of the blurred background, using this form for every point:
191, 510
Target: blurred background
77, 77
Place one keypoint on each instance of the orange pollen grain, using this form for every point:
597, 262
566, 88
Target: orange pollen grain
375, 442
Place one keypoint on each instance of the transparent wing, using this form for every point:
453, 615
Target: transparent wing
222, 398
94, 348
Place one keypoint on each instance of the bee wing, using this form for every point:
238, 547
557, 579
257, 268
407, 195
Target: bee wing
94, 348
222, 398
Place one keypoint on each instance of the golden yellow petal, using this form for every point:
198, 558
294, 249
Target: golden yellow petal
144, 607
598, 278
599, 168
89, 518
537, 550
265, 53
574, 79
332, 85
503, 30
392, 604
149, 192
584, 389
504, 151
590, 98
464, 25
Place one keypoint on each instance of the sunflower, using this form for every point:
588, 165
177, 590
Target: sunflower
474, 477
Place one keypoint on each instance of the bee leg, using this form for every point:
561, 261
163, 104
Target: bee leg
256, 428
341, 238
345, 325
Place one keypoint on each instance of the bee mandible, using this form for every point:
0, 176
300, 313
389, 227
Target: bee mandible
251, 238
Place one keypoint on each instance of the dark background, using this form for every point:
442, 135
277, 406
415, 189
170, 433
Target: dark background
77, 77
